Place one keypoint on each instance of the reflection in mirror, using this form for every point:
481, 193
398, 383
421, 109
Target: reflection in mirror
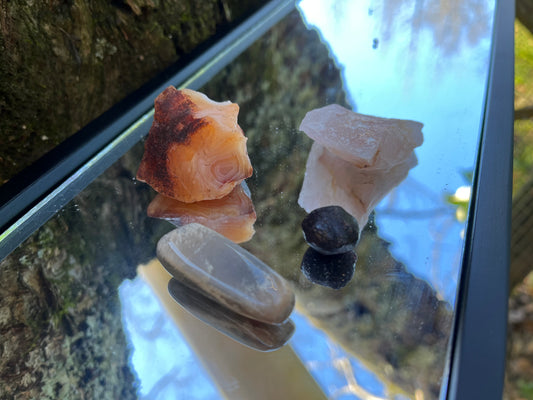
331, 270
149, 330
233, 215
417, 72
247, 331
385, 316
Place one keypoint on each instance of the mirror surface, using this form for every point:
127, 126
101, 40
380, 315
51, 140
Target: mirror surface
383, 335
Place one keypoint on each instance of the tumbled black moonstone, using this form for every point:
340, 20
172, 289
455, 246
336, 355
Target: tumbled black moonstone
330, 230
334, 271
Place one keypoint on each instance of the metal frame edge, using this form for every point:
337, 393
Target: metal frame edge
477, 365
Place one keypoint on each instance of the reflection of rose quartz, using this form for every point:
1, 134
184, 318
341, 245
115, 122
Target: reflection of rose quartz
195, 149
356, 159
233, 216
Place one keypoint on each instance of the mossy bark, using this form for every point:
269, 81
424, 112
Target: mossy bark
62, 64
60, 321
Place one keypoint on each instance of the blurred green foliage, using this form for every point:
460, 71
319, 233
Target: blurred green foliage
523, 138
526, 389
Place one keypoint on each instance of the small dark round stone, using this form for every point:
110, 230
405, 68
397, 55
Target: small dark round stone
330, 230
334, 271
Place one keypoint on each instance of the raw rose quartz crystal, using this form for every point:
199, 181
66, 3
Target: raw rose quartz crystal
356, 159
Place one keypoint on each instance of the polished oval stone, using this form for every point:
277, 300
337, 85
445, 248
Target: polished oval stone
226, 273
330, 230
249, 332
334, 271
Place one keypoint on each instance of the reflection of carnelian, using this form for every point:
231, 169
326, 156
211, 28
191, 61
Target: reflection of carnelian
195, 149
232, 216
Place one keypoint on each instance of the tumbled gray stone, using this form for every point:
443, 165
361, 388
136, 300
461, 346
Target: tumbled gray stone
249, 332
226, 273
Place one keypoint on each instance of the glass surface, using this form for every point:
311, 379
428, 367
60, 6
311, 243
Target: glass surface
97, 324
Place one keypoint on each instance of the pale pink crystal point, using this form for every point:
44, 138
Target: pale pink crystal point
356, 159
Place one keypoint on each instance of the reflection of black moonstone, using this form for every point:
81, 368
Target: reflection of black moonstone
334, 271
330, 230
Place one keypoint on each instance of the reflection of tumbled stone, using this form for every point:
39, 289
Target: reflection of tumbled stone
249, 332
334, 271
226, 273
330, 230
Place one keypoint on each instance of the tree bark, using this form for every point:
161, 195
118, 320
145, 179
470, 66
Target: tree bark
61, 66
60, 325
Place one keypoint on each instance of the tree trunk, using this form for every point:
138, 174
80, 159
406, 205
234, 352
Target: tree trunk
60, 320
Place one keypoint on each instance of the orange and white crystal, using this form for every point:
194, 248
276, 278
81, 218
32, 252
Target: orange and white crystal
195, 149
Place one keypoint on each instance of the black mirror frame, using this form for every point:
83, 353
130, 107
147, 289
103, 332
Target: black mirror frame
478, 345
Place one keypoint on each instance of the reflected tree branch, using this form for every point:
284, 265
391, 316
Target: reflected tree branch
343, 365
167, 380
